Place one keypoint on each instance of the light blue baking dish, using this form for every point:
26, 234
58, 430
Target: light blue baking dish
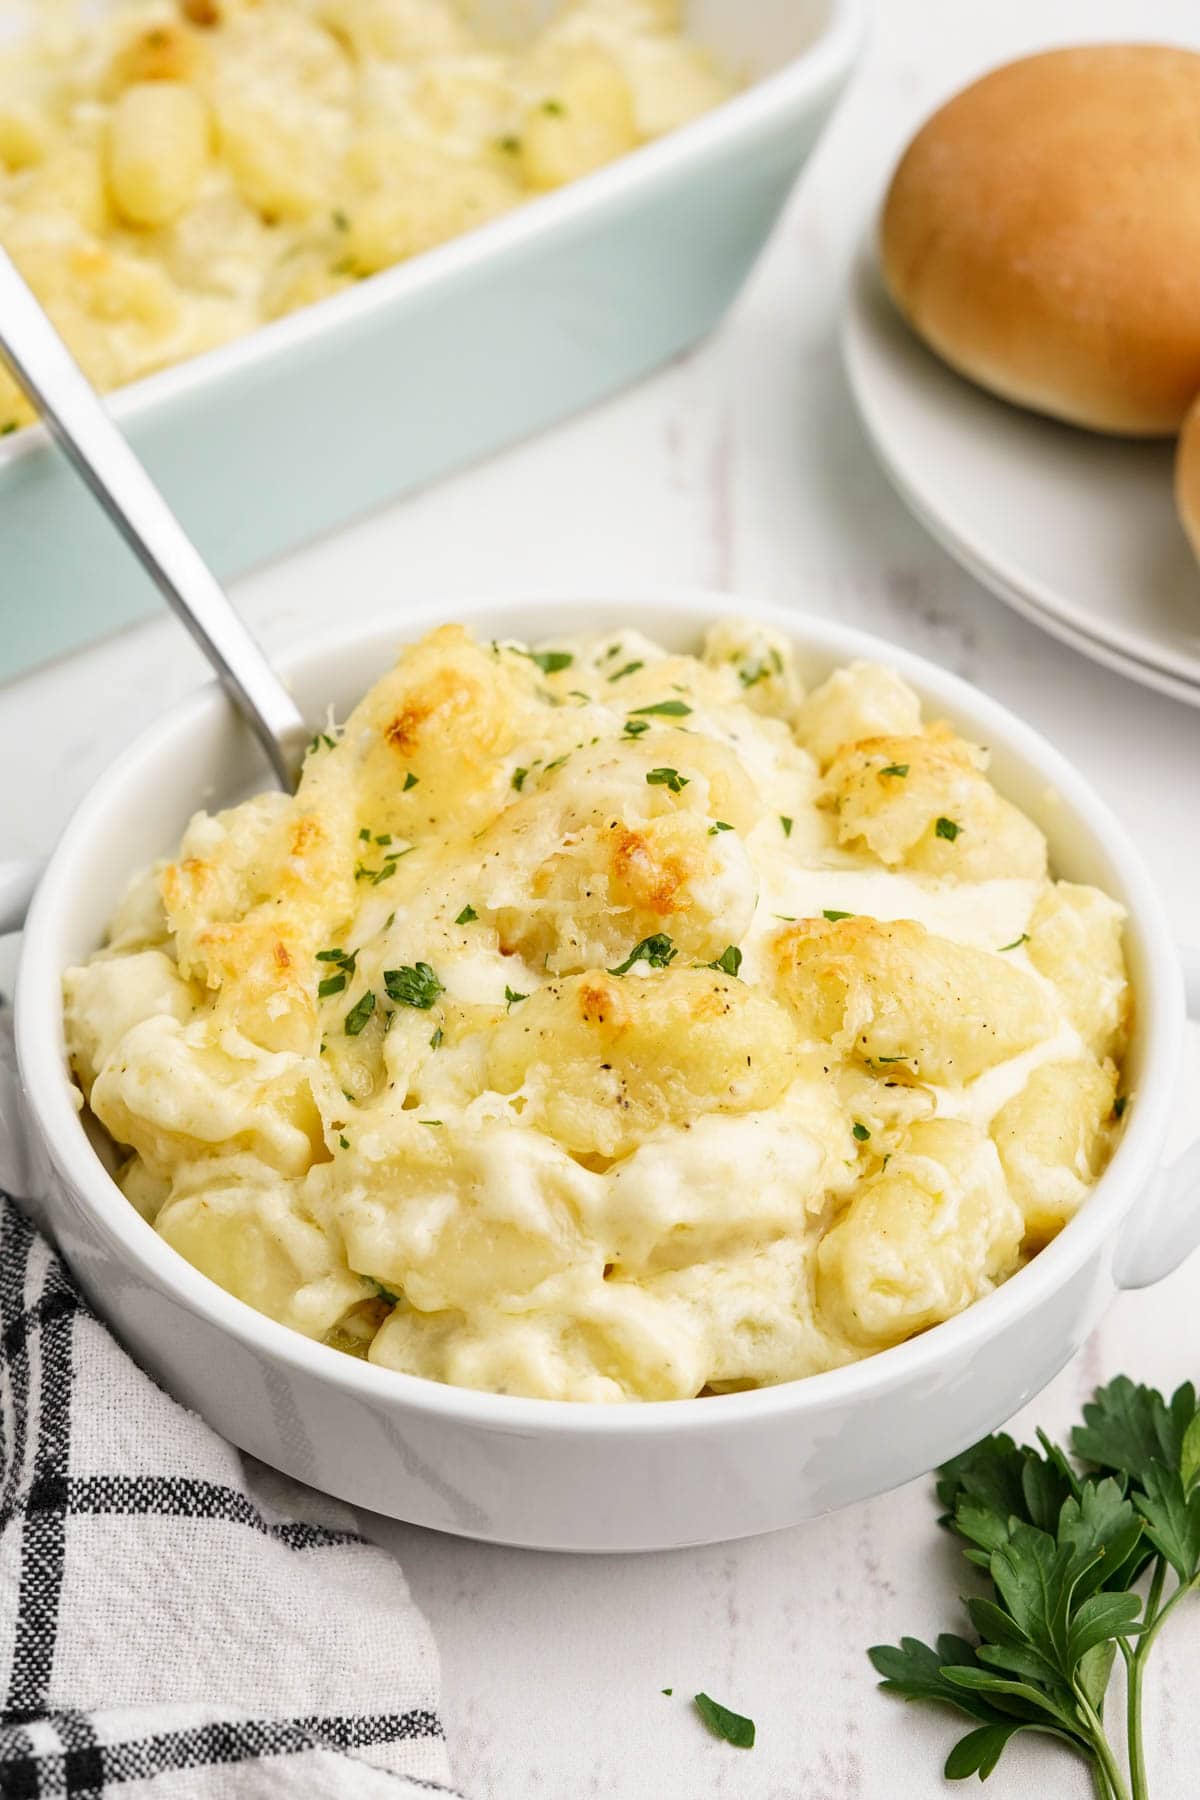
285, 433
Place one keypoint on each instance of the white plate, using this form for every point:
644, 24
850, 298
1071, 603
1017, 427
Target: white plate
1075, 530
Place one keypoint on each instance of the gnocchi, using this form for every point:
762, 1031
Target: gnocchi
175, 173
602, 1023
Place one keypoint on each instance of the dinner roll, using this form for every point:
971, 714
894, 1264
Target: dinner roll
1187, 476
1042, 234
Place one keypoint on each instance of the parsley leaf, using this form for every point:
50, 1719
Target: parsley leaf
1065, 1549
861, 1132
410, 781
518, 778
786, 823
635, 727
665, 709
1016, 943
629, 669
359, 1013
718, 825
833, 915
657, 950
946, 828
550, 662
332, 984
729, 961
511, 997
668, 778
466, 916
414, 984
900, 770
733, 1727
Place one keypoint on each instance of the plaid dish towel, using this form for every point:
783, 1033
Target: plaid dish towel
175, 1619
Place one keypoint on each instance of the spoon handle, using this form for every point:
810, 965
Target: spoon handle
69, 404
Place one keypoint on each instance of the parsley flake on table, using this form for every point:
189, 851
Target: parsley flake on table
414, 984
946, 828
657, 950
668, 778
664, 709
734, 1727
1085, 1563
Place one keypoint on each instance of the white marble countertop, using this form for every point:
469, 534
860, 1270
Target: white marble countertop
740, 466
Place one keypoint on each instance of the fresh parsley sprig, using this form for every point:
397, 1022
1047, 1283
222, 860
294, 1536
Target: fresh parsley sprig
1065, 1547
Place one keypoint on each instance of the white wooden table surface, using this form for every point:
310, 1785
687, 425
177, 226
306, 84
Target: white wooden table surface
741, 466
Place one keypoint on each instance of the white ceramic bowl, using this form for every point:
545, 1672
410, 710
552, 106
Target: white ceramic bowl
552, 1474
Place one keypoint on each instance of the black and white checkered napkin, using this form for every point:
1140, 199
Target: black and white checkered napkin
176, 1620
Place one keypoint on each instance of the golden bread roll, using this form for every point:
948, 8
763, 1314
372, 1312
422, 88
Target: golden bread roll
1042, 234
1187, 476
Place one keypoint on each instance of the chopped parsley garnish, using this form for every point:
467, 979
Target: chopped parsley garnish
359, 1013
511, 998
729, 961
831, 913
384, 1293
860, 1131
668, 778
410, 781
436, 1039
415, 984
336, 956
429, 1121
900, 770
786, 823
344, 1141
518, 778
667, 1691
657, 950
718, 825
629, 669
1017, 942
340, 219
383, 837
578, 694
322, 737
750, 674
665, 709
635, 727
555, 108
364, 836
467, 914
8, 427
946, 828
733, 1727
891, 1059
510, 144
332, 984
550, 662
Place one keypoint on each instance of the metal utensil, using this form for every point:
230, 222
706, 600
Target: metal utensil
69, 404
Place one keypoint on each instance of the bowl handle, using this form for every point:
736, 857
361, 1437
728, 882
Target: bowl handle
17, 882
1174, 1199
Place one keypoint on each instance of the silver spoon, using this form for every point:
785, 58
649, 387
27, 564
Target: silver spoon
73, 410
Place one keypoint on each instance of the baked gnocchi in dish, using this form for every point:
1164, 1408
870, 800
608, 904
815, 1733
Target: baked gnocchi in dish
602, 1023
174, 173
